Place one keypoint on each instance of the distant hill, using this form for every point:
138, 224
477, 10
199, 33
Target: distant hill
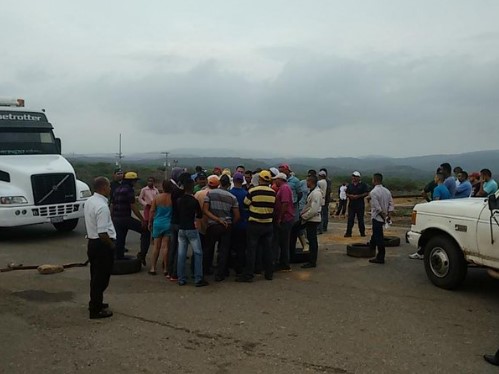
409, 167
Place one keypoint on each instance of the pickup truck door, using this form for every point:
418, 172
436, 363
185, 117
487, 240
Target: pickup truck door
488, 252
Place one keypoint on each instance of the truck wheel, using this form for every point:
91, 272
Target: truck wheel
360, 250
127, 265
444, 263
66, 226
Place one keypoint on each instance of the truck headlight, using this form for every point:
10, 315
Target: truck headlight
9, 200
85, 194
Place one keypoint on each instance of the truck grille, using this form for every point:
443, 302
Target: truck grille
57, 210
53, 188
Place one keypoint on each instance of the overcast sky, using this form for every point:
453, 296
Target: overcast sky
319, 78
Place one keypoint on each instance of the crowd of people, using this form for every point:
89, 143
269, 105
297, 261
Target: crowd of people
461, 185
246, 221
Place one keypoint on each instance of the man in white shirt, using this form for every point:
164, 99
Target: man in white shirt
381, 208
310, 218
146, 197
101, 236
342, 203
322, 184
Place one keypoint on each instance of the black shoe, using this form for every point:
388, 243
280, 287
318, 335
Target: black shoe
104, 313
201, 283
376, 261
269, 277
284, 269
104, 306
491, 359
244, 279
308, 265
347, 235
219, 278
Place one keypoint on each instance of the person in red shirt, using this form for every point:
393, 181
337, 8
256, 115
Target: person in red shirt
284, 213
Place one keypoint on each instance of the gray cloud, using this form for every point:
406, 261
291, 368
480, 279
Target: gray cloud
320, 93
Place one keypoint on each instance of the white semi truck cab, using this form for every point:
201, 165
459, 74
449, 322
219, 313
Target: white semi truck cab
37, 184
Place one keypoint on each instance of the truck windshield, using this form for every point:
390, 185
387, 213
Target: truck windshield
30, 141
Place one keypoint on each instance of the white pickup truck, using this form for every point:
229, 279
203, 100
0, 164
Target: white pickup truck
455, 233
37, 184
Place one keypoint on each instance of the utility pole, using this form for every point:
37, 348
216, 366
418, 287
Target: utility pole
119, 155
166, 164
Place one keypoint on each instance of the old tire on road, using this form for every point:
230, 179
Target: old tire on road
360, 250
444, 262
392, 241
127, 265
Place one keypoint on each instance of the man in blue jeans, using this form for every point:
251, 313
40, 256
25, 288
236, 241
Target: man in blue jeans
188, 211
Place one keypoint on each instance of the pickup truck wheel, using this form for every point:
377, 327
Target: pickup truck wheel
66, 226
444, 263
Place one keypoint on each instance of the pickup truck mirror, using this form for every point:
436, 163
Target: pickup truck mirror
493, 202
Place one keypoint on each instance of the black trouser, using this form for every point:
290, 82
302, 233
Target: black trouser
342, 207
313, 245
238, 246
359, 212
377, 239
280, 243
122, 225
173, 252
221, 234
101, 259
259, 234
325, 216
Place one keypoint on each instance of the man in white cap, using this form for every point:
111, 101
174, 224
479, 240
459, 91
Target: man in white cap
356, 192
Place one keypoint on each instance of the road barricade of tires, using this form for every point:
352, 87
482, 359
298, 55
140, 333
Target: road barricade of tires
127, 265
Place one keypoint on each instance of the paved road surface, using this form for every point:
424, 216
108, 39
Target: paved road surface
346, 316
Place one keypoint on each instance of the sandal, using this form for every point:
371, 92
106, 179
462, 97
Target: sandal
151, 272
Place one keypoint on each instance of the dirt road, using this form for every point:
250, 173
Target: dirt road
345, 316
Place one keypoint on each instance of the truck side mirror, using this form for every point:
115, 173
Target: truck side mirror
493, 202
59, 145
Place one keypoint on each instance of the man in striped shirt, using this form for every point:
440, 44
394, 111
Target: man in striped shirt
260, 202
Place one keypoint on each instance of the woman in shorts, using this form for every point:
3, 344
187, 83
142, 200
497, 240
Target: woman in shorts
160, 226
